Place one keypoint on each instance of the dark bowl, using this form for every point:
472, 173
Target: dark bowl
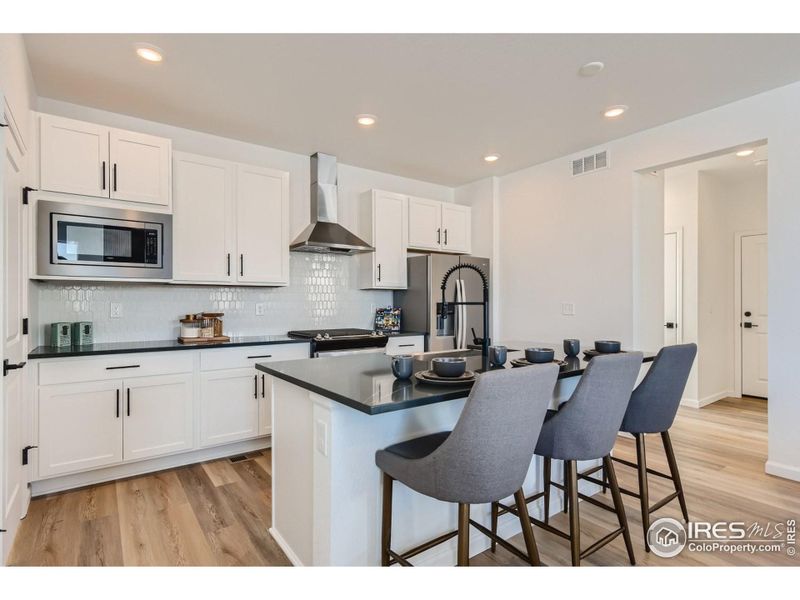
539, 355
449, 366
607, 346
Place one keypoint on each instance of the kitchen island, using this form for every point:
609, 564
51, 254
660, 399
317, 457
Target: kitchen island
330, 416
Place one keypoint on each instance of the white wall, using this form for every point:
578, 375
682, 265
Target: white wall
572, 239
16, 81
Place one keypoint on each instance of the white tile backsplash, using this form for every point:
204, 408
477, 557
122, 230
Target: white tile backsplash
323, 292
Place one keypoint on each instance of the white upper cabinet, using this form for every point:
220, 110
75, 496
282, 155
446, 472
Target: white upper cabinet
203, 222
384, 223
456, 227
140, 167
424, 224
92, 160
73, 157
262, 225
439, 226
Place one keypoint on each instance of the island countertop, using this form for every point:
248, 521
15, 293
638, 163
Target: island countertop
365, 381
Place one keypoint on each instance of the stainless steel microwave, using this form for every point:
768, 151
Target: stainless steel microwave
77, 240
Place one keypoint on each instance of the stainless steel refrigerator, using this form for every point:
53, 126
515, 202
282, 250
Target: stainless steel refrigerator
421, 302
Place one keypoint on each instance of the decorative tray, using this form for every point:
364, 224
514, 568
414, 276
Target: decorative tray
430, 377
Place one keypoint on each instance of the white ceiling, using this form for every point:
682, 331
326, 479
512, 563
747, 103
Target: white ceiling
443, 101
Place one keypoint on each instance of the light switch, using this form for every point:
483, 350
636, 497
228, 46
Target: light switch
568, 308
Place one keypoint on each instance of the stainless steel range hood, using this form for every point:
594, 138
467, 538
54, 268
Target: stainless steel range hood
324, 235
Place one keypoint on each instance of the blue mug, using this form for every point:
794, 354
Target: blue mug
403, 366
572, 347
498, 355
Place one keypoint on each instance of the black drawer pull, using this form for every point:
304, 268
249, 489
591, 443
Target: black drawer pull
104, 174
129, 402
406, 345
118, 403
123, 367
261, 356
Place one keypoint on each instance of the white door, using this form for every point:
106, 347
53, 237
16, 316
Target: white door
754, 320
262, 223
389, 239
424, 224
229, 402
140, 167
73, 157
157, 415
11, 409
456, 227
203, 219
672, 287
80, 426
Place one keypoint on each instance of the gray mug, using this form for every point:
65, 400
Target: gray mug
498, 355
572, 347
403, 366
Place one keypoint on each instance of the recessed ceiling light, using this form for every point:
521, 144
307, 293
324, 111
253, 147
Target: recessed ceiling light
743, 153
490, 158
366, 120
149, 53
612, 112
591, 69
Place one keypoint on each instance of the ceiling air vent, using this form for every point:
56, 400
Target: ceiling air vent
590, 163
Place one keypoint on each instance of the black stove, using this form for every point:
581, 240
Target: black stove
327, 340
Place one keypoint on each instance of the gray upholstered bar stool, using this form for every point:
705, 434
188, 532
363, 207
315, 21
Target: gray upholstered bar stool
652, 409
485, 458
585, 428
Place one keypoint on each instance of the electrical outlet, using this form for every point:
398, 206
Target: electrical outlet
568, 308
321, 437
261, 309
116, 310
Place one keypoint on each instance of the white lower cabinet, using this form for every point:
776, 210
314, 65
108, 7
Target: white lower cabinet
229, 402
80, 426
157, 416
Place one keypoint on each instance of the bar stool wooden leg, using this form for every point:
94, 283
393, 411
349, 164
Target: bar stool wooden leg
641, 460
673, 470
463, 535
527, 530
566, 495
619, 507
571, 481
495, 510
547, 479
386, 522
605, 479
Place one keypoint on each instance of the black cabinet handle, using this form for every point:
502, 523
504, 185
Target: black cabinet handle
118, 403
7, 366
379, 271
129, 402
104, 174
241, 265
405, 345
263, 385
229, 264
123, 367
445, 237
115, 177
261, 356
439, 236
255, 386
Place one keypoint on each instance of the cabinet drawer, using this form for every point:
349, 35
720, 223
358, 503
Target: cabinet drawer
247, 356
408, 344
118, 366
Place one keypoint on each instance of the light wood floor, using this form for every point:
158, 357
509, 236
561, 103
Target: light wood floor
217, 513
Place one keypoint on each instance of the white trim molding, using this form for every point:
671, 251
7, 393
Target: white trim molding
782, 470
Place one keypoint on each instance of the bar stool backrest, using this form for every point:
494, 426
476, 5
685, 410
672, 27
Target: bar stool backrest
486, 457
655, 400
589, 421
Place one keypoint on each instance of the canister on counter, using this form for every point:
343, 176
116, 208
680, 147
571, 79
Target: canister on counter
60, 335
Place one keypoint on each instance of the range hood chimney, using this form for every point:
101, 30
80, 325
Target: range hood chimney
324, 235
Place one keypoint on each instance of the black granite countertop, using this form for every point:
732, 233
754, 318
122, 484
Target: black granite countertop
155, 346
365, 381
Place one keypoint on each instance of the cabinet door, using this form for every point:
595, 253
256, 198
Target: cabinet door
424, 224
203, 219
262, 225
390, 238
456, 227
80, 426
73, 157
140, 167
229, 406
157, 415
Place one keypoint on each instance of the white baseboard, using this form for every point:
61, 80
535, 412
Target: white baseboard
287, 549
782, 470
76, 480
695, 403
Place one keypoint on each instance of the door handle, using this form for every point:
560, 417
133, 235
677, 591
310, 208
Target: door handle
7, 366
670, 325
129, 402
748, 325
